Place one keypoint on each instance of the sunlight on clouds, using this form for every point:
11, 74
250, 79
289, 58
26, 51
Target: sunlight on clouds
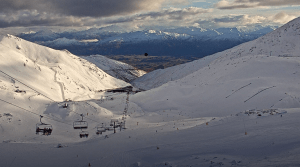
282, 18
133, 14
252, 19
151, 5
240, 4
224, 4
248, 20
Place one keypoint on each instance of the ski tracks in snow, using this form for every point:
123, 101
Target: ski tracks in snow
59, 83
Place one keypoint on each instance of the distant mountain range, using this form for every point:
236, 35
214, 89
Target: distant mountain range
263, 73
178, 42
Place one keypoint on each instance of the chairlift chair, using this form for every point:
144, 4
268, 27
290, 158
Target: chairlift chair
112, 122
101, 129
43, 128
83, 134
118, 124
109, 128
80, 124
122, 125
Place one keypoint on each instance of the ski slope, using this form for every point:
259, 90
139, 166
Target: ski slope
263, 73
57, 74
115, 68
240, 107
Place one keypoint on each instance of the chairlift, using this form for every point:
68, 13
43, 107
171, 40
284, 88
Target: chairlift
112, 122
80, 124
122, 125
84, 134
109, 128
101, 129
44, 129
65, 105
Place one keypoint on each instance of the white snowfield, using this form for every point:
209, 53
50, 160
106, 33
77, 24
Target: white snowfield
240, 107
115, 68
284, 42
59, 75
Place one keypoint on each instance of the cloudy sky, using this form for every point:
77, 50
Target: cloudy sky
138, 14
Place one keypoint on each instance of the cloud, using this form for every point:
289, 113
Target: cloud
238, 20
83, 8
171, 17
282, 18
248, 20
238, 4
165, 17
176, 14
27, 18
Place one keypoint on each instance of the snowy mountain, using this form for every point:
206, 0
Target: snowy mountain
239, 107
115, 68
59, 75
263, 73
178, 42
266, 45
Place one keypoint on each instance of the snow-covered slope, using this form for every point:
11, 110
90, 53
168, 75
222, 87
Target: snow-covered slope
34, 80
263, 73
115, 68
61, 42
267, 45
241, 109
159, 77
59, 75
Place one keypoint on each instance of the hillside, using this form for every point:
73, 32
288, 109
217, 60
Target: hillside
268, 45
263, 73
240, 107
115, 68
59, 75
35, 80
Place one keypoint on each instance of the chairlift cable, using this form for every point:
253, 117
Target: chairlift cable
84, 116
42, 95
27, 86
34, 112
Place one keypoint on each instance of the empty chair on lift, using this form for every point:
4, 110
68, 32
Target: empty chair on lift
101, 129
42, 128
113, 121
80, 124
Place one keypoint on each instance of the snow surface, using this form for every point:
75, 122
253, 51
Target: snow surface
240, 108
59, 75
115, 68
284, 42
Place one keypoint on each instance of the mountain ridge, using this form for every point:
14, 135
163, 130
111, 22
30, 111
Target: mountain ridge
184, 41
